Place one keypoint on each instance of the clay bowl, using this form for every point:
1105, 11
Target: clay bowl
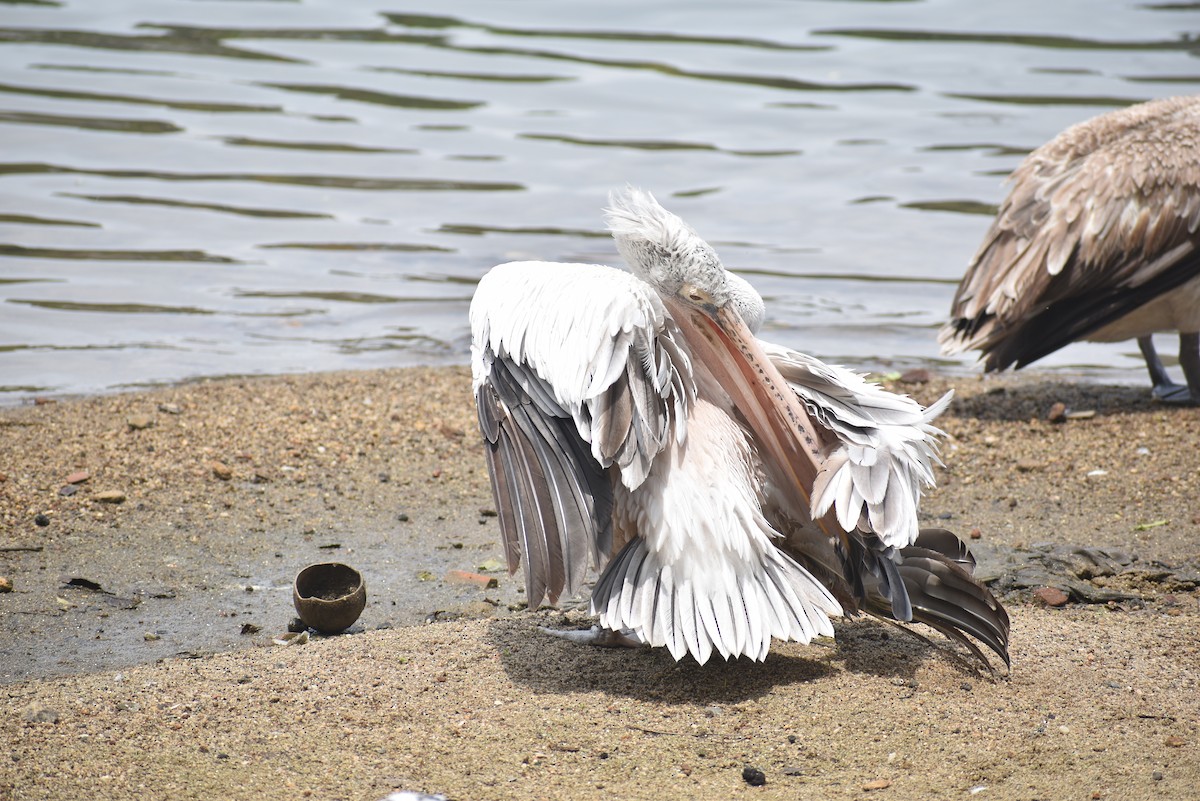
329, 596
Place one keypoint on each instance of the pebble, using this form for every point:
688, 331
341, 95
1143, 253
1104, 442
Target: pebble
41, 520
38, 712
6, 584
1051, 596
976, 534
109, 496
78, 477
140, 422
221, 470
467, 577
918, 375
67, 490
1057, 413
877, 784
150, 636
753, 776
1157, 776
170, 408
296, 625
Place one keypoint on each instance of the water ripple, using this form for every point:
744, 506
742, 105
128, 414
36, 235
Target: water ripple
242, 211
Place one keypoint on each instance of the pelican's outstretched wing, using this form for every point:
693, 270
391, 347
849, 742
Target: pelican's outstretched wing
882, 451
576, 373
1099, 220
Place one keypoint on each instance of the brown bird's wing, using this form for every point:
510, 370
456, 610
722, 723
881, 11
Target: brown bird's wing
1100, 220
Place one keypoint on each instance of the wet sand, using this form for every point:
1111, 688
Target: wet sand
127, 672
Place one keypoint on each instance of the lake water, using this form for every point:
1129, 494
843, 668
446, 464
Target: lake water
202, 187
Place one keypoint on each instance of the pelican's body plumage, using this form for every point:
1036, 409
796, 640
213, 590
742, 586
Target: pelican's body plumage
729, 491
1098, 239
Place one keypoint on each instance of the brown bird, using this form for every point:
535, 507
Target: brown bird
1097, 240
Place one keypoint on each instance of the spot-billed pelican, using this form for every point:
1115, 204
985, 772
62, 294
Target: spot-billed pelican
1096, 240
729, 491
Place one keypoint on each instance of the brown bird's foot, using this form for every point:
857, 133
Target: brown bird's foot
1174, 394
604, 638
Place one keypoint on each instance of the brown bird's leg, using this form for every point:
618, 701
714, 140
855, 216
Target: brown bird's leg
1189, 359
1164, 389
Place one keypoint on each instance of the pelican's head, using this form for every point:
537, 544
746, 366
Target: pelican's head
665, 252
747, 301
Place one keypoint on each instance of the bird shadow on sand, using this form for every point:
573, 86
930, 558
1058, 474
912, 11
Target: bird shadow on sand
1023, 402
546, 664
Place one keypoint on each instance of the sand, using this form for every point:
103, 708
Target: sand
126, 671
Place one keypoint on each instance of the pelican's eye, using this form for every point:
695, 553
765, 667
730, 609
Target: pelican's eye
695, 294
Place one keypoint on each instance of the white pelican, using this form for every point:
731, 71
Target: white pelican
1096, 240
729, 491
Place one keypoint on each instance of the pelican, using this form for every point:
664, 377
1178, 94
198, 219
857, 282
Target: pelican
1096, 240
728, 491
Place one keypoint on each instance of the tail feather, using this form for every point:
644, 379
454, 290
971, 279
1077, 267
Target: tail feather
946, 597
734, 615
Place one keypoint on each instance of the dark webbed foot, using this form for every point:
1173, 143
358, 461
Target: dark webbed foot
1175, 394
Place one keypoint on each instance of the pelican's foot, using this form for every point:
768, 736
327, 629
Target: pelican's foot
1175, 394
604, 638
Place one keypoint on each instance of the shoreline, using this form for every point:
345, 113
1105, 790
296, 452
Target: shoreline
231, 486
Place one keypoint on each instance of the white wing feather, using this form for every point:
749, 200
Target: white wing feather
886, 450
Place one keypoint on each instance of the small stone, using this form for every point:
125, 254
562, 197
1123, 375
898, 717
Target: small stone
753, 776
1175, 741
296, 625
1157, 776
250, 628
221, 470
402, 517
6, 584
1057, 413
877, 784
67, 490
140, 422
38, 712
1051, 596
467, 577
150, 636
170, 408
975, 534
78, 477
1028, 466
1082, 414
109, 496
791, 770
41, 520
918, 375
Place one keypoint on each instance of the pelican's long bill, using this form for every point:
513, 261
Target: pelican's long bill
722, 343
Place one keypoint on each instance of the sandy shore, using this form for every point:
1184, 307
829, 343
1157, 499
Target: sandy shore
136, 650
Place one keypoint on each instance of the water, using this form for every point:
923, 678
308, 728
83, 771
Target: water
201, 188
